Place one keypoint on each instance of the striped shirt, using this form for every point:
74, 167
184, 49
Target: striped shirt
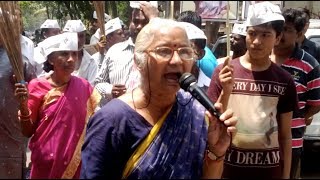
116, 67
305, 71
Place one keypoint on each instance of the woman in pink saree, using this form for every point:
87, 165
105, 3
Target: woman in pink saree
56, 111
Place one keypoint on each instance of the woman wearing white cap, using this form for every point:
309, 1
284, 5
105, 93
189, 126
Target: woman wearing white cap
86, 67
56, 111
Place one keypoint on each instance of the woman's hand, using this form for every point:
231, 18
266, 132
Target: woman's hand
220, 131
226, 76
21, 92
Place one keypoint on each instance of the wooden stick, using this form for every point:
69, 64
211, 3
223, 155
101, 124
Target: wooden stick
10, 33
228, 30
99, 7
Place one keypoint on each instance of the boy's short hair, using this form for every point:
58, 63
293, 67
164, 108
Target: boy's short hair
201, 43
190, 17
295, 17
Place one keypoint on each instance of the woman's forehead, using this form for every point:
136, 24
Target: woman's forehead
170, 33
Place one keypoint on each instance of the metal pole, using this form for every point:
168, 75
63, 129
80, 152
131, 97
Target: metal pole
171, 9
228, 30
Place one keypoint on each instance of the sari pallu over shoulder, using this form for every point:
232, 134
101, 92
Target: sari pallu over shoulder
177, 150
56, 144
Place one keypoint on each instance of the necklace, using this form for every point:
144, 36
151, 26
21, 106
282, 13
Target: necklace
55, 84
135, 108
134, 105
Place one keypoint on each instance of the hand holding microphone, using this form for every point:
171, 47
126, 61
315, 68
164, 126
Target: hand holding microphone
220, 131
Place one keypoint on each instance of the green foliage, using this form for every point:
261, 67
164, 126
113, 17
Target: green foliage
123, 8
32, 14
36, 12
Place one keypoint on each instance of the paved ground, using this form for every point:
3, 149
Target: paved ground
310, 163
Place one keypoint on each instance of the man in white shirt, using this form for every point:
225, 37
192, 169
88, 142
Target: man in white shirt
86, 67
27, 49
94, 26
114, 34
112, 79
49, 28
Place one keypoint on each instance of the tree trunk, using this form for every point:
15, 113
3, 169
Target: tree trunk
176, 9
75, 4
106, 8
114, 9
212, 29
67, 3
47, 11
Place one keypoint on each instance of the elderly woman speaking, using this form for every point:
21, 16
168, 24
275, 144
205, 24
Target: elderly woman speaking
157, 130
56, 111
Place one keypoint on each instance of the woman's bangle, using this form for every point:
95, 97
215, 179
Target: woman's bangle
214, 157
24, 117
24, 120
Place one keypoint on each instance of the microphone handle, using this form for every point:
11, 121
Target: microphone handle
198, 93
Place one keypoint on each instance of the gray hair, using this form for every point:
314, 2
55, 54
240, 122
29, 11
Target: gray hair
146, 37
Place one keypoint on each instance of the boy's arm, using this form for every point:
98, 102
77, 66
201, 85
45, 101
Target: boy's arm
285, 142
227, 80
310, 111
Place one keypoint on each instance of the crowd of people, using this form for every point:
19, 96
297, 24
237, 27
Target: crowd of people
118, 111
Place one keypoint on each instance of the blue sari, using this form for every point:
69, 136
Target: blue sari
177, 151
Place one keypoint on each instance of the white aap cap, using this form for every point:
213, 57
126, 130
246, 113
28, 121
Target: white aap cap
106, 16
61, 42
50, 23
111, 26
193, 32
263, 12
136, 4
239, 29
74, 26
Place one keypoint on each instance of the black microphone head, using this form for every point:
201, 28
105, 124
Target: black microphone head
185, 80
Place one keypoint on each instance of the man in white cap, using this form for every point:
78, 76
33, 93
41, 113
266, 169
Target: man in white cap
237, 42
112, 79
86, 66
198, 41
109, 27
49, 28
263, 98
114, 34
94, 25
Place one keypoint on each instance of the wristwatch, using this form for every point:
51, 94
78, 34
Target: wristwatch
213, 157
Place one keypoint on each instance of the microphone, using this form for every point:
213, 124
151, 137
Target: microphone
189, 83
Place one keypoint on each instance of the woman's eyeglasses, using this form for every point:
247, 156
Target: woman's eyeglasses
166, 53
